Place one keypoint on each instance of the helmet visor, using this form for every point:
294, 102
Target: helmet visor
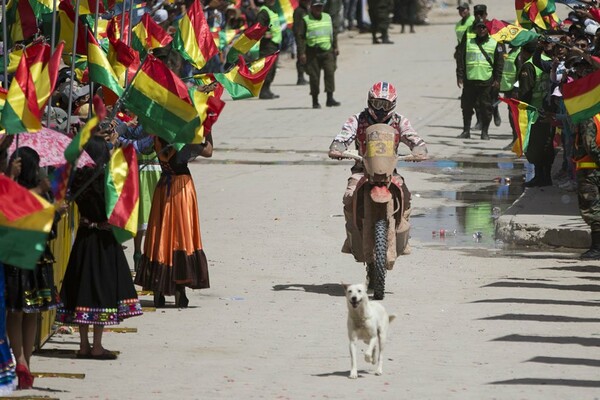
381, 105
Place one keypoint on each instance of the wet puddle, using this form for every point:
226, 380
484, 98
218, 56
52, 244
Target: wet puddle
488, 189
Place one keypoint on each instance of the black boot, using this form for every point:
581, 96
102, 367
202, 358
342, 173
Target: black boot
159, 300
315, 98
331, 101
537, 178
385, 38
546, 176
466, 133
484, 134
301, 80
375, 39
497, 119
594, 252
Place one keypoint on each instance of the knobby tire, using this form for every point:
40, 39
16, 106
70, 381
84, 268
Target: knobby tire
381, 245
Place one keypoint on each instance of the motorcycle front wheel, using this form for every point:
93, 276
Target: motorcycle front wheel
380, 253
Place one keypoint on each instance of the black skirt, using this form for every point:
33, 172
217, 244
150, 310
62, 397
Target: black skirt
97, 288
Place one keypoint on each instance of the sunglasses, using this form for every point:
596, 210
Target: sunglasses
381, 104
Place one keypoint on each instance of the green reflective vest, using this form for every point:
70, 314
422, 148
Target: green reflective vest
509, 73
274, 25
461, 28
478, 68
319, 32
542, 85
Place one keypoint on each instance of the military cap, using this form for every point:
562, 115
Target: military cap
480, 8
463, 6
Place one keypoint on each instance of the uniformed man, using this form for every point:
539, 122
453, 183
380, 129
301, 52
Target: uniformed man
465, 22
512, 64
299, 13
587, 163
534, 89
478, 70
317, 49
379, 13
269, 44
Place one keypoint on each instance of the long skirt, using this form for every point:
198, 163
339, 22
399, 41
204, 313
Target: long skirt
97, 288
149, 177
173, 252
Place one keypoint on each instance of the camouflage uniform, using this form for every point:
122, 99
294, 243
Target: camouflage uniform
588, 179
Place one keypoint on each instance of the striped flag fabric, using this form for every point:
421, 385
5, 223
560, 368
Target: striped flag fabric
540, 13
244, 81
524, 115
285, 9
113, 29
124, 60
21, 20
122, 192
25, 222
41, 7
246, 41
193, 39
89, 7
582, 97
147, 35
30, 89
100, 69
161, 101
503, 32
66, 27
14, 57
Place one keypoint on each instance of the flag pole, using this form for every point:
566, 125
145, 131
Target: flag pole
52, 46
123, 18
128, 41
4, 45
73, 54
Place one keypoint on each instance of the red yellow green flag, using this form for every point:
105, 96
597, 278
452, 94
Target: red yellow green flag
246, 41
89, 7
503, 32
113, 28
31, 88
41, 7
123, 59
193, 39
25, 222
581, 97
21, 19
147, 35
122, 192
540, 13
162, 102
14, 57
524, 115
100, 69
66, 27
245, 81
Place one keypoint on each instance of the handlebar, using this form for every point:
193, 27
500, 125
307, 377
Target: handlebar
353, 155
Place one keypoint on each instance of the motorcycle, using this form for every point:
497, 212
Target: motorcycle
380, 229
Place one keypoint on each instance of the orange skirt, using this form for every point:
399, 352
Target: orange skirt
173, 252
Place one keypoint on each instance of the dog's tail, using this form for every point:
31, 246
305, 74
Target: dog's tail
392, 317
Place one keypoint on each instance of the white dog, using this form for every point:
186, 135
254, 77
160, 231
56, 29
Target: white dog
367, 321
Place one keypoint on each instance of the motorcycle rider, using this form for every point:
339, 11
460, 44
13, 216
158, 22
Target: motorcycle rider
381, 105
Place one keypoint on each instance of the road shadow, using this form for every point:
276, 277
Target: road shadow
541, 302
340, 373
577, 268
547, 382
331, 289
533, 285
582, 341
289, 108
539, 318
588, 362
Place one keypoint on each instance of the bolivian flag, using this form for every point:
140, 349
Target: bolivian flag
285, 9
193, 39
147, 35
89, 7
245, 81
41, 7
582, 97
14, 57
122, 193
31, 88
124, 60
66, 27
22, 23
161, 100
100, 70
25, 222
77, 144
503, 32
524, 115
246, 41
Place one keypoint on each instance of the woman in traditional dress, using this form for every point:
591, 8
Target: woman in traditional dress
97, 288
173, 256
29, 292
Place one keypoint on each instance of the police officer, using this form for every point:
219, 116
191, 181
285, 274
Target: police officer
534, 89
379, 13
269, 44
587, 163
299, 14
479, 66
317, 49
512, 63
465, 22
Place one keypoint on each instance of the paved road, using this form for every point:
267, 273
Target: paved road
474, 322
